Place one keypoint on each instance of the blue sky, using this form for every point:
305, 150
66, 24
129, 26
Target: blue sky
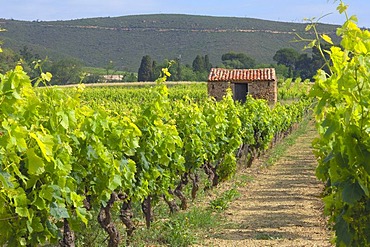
278, 10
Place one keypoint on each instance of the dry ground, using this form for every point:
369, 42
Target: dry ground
280, 207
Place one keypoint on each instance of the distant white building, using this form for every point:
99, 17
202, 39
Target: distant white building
113, 77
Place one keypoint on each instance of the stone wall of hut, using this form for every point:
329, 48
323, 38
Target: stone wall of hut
218, 89
264, 90
260, 90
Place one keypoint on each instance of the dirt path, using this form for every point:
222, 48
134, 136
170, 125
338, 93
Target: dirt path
280, 207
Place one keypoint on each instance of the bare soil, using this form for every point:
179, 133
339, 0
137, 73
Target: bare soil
280, 207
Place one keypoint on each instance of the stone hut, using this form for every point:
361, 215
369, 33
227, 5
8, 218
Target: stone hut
260, 83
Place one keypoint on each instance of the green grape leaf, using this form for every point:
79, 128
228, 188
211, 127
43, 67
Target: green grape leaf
46, 76
308, 27
352, 192
115, 182
19, 134
36, 165
76, 199
366, 164
311, 44
20, 198
327, 39
23, 212
37, 225
45, 142
39, 203
5, 180
23, 242
58, 212
46, 192
63, 119
81, 213
360, 47
342, 231
342, 7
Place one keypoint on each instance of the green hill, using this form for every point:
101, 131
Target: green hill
124, 40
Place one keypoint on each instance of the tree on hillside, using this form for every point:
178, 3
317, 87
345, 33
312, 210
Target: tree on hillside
318, 61
178, 67
156, 71
304, 67
199, 64
201, 67
175, 69
188, 74
145, 72
8, 60
232, 60
287, 57
28, 56
66, 71
110, 68
207, 63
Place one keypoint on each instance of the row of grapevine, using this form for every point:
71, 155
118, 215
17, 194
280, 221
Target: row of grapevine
129, 96
61, 159
343, 148
290, 90
58, 160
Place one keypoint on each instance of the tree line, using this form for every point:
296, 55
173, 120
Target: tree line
65, 71
289, 64
300, 64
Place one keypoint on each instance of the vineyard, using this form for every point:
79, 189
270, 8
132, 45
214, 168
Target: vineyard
70, 154
76, 157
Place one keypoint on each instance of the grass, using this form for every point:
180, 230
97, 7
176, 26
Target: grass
243, 180
274, 154
222, 202
184, 228
181, 229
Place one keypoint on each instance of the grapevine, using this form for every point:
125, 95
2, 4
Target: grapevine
65, 160
343, 148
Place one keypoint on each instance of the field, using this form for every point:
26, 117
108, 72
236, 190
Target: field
85, 151
92, 166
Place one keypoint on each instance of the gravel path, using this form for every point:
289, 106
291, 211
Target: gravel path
280, 207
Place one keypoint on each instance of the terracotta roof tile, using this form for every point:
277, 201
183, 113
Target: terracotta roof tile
242, 75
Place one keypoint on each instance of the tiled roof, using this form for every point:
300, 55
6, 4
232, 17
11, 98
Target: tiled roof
241, 75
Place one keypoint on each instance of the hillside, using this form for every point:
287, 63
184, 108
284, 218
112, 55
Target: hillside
124, 40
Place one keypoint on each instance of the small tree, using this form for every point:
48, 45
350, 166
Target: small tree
8, 60
187, 73
287, 57
110, 68
145, 72
303, 67
66, 71
234, 60
156, 71
207, 64
178, 67
199, 64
